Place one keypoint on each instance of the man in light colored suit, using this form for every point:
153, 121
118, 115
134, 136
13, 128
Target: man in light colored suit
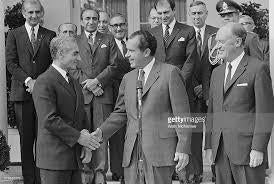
27, 56
62, 122
165, 141
95, 72
200, 84
240, 111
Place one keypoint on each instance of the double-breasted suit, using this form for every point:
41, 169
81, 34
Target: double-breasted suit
240, 119
164, 96
24, 61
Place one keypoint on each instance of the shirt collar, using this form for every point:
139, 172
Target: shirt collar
61, 71
236, 61
148, 68
171, 26
28, 28
202, 29
88, 33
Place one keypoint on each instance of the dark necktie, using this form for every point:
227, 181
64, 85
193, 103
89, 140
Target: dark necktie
70, 81
166, 35
199, 42
228, 77
124, 47
32, 38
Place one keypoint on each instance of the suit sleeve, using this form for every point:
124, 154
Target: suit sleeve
12, 59
209, 118
44, 98
191, 56
264, 109
118, 118
111, 70
180, 108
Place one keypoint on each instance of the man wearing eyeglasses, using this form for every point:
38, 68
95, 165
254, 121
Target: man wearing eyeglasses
94, 71
154, 19
118, 28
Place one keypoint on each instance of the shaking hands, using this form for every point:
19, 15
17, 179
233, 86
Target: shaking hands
90, 140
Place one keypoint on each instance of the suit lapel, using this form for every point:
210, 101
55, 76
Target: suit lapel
84, 42
206, 36
40, 36
97, 41
220, 83
239, 71
175, 31
26, 39
152, 77
62, 81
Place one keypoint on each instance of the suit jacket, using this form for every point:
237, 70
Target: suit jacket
244, 113
98, 62
61, 117
164, 96
202, 70
181, 48
23, 61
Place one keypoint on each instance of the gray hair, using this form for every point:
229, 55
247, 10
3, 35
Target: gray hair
59, 46
32, 2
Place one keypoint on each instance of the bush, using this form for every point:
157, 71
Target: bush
4, 152
260, 17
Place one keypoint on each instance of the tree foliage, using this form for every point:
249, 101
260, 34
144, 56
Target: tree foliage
260, 17
13, 16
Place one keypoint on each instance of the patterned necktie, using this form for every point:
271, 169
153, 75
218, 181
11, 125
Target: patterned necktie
90, 39
166, 36
141, 76
228, 77
199, 42
124, 47
32, 38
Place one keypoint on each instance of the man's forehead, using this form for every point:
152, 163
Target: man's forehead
117, 19
32, 6
67, 26
103, 16
90, 13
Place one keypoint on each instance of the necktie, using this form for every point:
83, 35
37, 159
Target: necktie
124, 47
141, 76
166, 36
32, 38
70, 81
90, 39
228, 77
199, 42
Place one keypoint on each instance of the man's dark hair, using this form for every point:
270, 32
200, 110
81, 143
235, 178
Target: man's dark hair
170, 2
196, 3
146, 40
92, 9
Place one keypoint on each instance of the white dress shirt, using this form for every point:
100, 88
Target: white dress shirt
28, 28
202, 32
235, 63
171, 26
148, 68
119, 44
61, 71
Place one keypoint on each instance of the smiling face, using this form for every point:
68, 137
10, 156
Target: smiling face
154, 19
103, 22
198, 15
165, 12
32, 12
118, 27
70, 56
90, 20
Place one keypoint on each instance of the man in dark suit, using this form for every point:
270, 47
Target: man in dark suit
118, 28
95, 72
27, 56
176, 41
240, 111
200, 83
164, 140
62, 121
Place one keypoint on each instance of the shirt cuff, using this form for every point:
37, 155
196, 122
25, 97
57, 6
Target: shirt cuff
27, 80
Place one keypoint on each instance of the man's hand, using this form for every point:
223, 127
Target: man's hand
90, 84
208, 156
256, 158
86, 155
98, 91
182, 159
30, 85
88, 140
98, 133
198, 90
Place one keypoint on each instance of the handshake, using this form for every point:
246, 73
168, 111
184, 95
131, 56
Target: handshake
90, 142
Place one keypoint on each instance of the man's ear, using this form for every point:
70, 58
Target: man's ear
239, 42
147, 52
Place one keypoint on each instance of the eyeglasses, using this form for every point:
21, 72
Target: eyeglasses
246, 23
122, 25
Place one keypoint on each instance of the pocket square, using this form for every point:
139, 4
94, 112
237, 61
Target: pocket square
242, 84
103, 46
181, 39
